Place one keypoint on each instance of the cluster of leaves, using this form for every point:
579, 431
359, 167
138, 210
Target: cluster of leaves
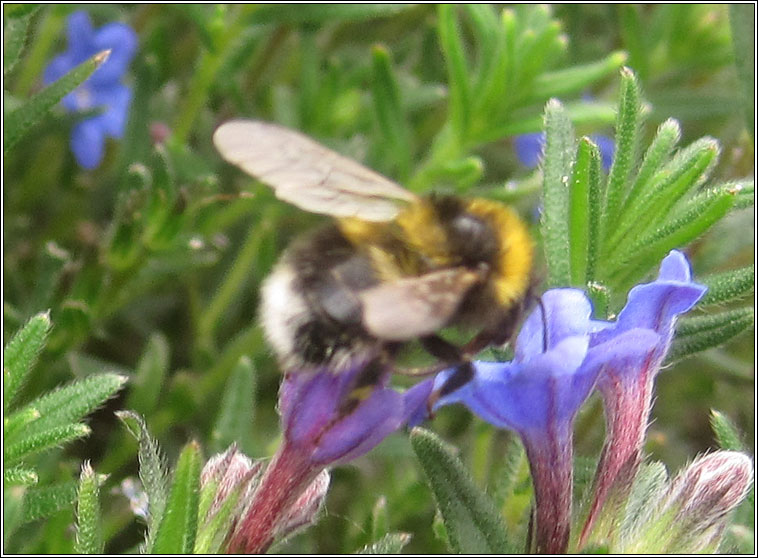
44, 423
155, 249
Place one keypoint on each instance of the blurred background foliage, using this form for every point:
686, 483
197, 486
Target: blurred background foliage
151, 263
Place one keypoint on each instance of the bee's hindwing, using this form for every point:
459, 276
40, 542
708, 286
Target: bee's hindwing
307, 174
417, 306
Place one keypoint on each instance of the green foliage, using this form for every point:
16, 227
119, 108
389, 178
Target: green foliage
176, 531
89, 536
22, 119
45, 422
472, 522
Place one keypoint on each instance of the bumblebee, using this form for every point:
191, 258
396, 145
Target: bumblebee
392, 267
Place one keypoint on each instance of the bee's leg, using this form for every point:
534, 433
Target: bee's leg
448, 354
499, 335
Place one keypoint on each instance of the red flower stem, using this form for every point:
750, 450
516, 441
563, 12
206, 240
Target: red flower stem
285, 479
627, 408
551, 466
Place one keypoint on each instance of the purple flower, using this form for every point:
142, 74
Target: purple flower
103, 89
539, 393
326, 421
560, 355
626, 385
529, 148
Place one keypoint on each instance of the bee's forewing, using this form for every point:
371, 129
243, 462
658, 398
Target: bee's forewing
307, 174
417, 306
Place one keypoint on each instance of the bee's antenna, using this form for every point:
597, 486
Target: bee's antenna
544, 325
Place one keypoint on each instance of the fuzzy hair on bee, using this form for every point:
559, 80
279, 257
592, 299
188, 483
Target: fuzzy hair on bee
392, 267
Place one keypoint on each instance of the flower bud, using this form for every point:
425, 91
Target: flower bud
702, 496
303, 512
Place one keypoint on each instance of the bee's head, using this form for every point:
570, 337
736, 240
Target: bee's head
470, 237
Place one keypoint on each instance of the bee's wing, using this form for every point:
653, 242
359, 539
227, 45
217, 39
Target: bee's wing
307, 174
416, 306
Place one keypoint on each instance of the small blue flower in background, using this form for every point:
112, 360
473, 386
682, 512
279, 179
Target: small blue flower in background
529, 148
103, 89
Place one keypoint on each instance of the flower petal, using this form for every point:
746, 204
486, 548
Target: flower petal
122, 42
88, 143
356, 433
567, 313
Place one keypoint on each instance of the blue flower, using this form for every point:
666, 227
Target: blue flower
529, 148
103, 89
539, 393
326, 421
626, 385
560, 355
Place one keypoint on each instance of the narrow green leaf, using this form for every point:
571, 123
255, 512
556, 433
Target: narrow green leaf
380, 523
49, 270
473, 523
89, 530
19, 420
457, 70
236, 413
27, 444
485, 26
742, 20
581, 114
176, 532
631, 262
319, 13
688, 169
15, 32
628, 123
584, 212
745, 195
13, 511
21, 353
21, 120
149, 375
495, 69
19, 476
698, 324
510, 467
727, 435
575, 78
45, 501
389, 111
657, 154
729, 285
152, 470
73, 401
743, 319
391, 543
634, 37
559, 150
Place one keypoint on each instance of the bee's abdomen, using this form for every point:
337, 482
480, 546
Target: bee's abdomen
309, 312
